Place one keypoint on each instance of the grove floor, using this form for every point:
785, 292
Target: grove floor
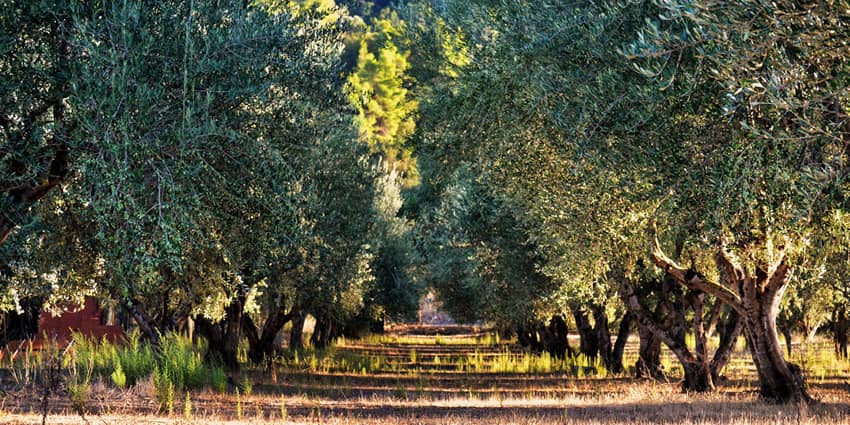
413, 376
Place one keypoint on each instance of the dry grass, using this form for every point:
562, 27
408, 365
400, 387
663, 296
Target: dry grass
419, 389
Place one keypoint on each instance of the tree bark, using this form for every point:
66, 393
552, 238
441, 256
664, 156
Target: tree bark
730, 330
756, 299
588, 345
560, 346
145, 323
229, 348
648, 364
261, 346
296, 334
713, 317
778, 380
324, 333
619, 349
224, 336
840, 327
603, 335
697, 377
697, 369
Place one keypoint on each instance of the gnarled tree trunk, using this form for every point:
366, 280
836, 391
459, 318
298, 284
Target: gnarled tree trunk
296, 334
539, 337
261, 343
224, 336
595, 341
615, 364
560, 346
756, 299
730, 329
665, 311
588, 344
648, 364
602, 335
324, 333
696, 365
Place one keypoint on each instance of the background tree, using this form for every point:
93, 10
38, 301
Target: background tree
479, 260
378, 88
696, 119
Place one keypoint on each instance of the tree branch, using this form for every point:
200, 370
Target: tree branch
778, 274
693, 280
733, 270
733, 325
630, 299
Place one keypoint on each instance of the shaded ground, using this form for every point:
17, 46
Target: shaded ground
409, 385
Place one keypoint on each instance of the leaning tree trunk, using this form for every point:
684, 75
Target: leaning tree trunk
145, 323
296, 334
602, 334
616, 362
696, 366
730, 329
756, 299
648, 364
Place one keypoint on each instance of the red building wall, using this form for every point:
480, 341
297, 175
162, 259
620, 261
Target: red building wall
87, 320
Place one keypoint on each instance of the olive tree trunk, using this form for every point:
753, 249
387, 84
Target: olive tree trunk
615, 364
296, 334
588, 343
756, 299
840, 327
595, 340
559, 346
648, 364
261, 342
224, 336
696, 365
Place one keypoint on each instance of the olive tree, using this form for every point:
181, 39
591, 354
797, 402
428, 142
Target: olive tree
722, 125
38, 65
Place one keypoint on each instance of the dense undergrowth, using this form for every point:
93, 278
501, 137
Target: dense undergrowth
177, 365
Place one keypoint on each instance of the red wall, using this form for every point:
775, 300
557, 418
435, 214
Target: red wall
86, 321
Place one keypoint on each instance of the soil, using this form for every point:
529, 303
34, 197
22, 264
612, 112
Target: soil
420, 391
